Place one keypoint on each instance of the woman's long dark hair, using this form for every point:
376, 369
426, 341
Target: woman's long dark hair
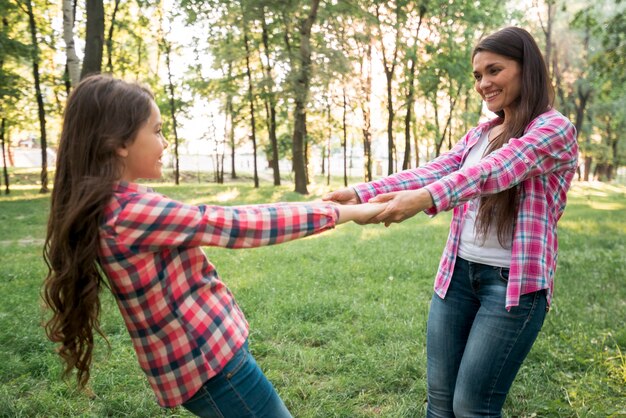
102, 115
536, 97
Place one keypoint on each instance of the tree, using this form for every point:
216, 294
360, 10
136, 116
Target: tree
250, 97
270, 96
72, 60
412, 57
38, 95
94, 38
12, 52
389, 63
301, 75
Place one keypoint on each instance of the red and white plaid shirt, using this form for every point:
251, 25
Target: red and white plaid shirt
184, 322
542, 162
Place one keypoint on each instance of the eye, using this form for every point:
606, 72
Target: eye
477, 77
494, 71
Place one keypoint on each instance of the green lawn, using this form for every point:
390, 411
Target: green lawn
337, 320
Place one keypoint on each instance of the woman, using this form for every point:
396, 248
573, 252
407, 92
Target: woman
506, 182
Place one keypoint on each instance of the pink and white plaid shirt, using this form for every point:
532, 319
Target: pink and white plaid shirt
542, 162
184, 322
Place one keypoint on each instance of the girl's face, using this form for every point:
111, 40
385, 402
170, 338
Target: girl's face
142, 157
498, 80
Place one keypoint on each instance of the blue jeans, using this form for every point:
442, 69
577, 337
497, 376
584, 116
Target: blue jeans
474, 346
240, 390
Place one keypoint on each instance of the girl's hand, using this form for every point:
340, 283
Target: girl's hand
402, 205
345, 196
361, 214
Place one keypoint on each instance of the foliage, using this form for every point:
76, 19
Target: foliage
338, 320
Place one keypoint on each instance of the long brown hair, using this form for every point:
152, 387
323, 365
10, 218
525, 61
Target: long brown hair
102, 115
536, 97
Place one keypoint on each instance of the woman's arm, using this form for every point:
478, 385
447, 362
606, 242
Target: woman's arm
549, 145
411, 179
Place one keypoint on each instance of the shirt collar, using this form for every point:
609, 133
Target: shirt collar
123, 186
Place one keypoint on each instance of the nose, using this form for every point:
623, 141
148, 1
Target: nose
165, 144
484, 82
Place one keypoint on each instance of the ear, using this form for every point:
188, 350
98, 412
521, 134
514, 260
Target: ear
122, 151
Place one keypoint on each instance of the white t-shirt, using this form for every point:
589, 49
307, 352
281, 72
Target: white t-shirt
471, 247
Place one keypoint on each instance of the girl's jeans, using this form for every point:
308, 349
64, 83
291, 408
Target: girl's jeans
240, 390
474, 345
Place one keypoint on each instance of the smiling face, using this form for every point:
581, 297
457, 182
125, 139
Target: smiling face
498, 80
142, 157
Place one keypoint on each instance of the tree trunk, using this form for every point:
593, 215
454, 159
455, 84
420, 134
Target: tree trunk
345, 140
39, 97
448, 123
109, 41
390, 143
366, 89
330, 135
231, 135
168, 52
389, 66
251, 100
547, 31
587, 171
94, 38
302, 83
4, 158
72, 61
271, 103
406, 162
410, 98
416, 146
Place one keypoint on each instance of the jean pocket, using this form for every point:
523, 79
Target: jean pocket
236, 363
503, 274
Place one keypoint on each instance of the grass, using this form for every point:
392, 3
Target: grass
337, 320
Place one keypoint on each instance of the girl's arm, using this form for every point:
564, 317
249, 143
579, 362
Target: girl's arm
360, 214
151, 222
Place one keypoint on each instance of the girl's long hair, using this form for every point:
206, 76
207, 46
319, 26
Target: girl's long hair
102, 115
536, 97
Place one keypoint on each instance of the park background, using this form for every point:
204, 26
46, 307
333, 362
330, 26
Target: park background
284, 100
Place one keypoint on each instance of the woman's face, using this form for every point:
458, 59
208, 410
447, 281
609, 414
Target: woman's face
142, 157
498, 80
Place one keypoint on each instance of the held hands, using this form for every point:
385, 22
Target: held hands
398, 206
350, 208
402, 205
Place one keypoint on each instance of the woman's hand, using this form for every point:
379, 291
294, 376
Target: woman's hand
402, 205
346, 196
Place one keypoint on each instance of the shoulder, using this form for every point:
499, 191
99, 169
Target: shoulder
139, 201
553, 120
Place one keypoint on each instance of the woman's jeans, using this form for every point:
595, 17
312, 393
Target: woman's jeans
475, 347
240, 390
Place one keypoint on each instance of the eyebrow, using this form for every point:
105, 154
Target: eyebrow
488, 66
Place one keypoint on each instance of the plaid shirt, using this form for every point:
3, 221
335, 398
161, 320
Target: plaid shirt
542, 162
184, 322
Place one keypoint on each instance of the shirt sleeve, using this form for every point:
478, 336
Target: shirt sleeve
549, 145
150, 222
417, 177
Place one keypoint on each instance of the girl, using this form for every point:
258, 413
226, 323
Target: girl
506, 181
189, 334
